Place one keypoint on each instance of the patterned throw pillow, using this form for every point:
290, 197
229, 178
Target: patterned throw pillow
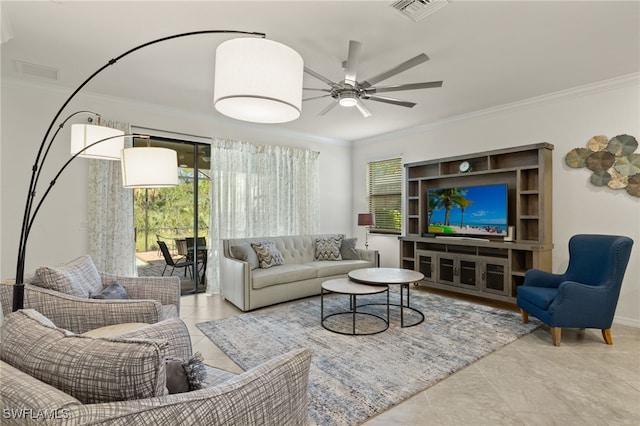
93, 370
328, 248
80, 277
112, 291
348, 249
268, 254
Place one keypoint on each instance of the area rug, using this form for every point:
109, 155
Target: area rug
353, 378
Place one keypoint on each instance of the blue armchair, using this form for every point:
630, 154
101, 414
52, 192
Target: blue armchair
586, 295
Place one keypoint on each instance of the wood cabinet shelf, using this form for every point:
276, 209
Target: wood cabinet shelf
495, 268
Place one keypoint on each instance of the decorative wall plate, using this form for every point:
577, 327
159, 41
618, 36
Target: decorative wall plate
633, 186
577, 157
601, 160
613, 162
598, 143
629, 165
617, 181
622, 145
600, 178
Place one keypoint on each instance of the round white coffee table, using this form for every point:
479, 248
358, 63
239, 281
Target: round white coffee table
353, 289
389, 276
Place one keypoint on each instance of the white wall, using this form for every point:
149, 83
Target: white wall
58, 234
567, 120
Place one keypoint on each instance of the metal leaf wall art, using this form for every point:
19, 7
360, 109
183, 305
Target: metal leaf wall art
613, 162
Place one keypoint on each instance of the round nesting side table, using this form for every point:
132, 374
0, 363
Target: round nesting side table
390, 276
352, 289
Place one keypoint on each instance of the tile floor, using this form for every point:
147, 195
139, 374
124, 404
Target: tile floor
528, 382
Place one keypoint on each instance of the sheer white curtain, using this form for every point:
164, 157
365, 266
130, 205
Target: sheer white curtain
259, 191
110, 215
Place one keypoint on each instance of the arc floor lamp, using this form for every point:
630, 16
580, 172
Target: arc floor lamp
256, 80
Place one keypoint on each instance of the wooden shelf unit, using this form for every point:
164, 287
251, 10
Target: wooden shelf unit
491, 269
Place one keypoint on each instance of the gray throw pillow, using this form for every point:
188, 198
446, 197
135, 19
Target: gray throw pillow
177, 381
113, 291
328, 248
185, 375
348, 249
244, 252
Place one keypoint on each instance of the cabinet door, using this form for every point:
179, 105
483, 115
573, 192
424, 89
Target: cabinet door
494, 276
426, 264
468, 272
446, 271
460, 271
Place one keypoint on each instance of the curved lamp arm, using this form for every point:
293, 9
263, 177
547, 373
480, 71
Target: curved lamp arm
64, 166
27, 219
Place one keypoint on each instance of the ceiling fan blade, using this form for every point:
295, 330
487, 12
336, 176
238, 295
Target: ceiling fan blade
391, 101
355, 47
328, 108
400, 87
363, 109
315, 97
395, 70
319, 77
316, 89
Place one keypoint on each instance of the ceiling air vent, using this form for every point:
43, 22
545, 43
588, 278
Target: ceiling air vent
416, 10
37, 70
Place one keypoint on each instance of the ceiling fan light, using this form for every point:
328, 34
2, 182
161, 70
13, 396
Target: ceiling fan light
258, 80
348, 100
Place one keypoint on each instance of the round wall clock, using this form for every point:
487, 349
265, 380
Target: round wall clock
464, 167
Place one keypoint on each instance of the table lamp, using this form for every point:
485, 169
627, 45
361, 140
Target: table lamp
366, 219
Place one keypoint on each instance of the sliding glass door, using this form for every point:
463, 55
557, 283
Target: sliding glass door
178, 216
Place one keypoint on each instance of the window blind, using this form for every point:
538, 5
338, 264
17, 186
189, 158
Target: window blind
384, 195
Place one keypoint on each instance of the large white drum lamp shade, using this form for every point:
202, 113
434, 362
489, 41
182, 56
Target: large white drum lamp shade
258, 80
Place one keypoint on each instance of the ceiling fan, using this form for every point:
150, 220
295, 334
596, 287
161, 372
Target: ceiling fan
351, 92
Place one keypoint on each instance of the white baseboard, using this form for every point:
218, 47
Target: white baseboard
631, 322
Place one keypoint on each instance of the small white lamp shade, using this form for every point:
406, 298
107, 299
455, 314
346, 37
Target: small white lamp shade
258, 80
83, 135
149, 167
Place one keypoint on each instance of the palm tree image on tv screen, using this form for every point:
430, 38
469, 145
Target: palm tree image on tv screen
469, 210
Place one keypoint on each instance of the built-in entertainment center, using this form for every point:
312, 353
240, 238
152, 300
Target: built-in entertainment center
476, 223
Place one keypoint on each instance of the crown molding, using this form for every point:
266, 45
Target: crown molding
575, 92
585, 90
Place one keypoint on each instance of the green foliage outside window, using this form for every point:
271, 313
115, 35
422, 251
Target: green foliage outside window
169, 212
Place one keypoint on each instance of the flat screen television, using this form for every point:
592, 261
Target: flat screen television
468, 210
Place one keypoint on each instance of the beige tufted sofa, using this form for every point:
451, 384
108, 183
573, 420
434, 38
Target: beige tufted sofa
300, 276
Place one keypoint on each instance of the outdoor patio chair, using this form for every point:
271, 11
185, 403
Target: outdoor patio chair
171, 262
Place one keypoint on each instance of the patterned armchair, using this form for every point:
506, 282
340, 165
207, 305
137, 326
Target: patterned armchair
121, 380
152, 299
